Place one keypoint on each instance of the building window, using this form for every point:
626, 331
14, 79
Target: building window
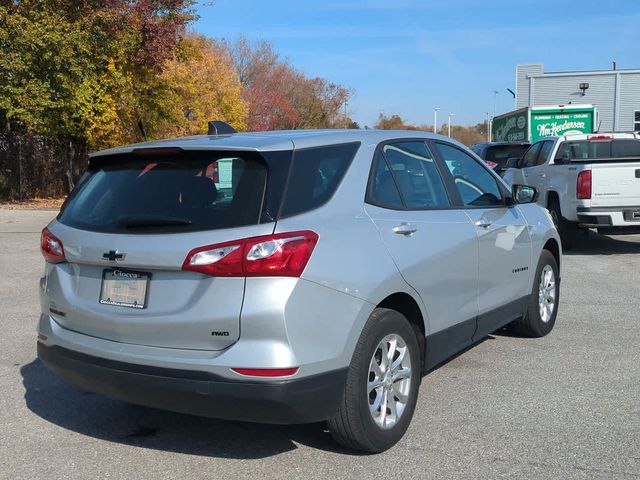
636, 121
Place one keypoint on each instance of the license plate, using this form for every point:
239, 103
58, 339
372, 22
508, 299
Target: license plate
124, 288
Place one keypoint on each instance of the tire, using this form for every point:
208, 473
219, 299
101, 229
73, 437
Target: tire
567, 230
354, 426
536, 321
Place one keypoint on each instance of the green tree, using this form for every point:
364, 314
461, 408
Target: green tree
85, 70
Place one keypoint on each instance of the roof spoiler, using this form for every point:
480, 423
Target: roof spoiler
217, 127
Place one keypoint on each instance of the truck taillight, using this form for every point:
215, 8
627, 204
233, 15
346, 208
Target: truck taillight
279, 255
583, 188
51, 247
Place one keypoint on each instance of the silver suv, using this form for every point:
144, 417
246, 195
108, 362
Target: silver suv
289, 277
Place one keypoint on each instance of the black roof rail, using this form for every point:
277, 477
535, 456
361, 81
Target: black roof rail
218, 127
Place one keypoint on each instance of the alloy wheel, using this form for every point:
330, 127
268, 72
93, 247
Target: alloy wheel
389, 381
547, 293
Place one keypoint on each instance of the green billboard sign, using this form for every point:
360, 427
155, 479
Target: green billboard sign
566, 122
510, 127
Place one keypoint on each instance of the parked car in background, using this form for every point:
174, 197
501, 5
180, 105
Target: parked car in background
289, 277
586, 181
496, 154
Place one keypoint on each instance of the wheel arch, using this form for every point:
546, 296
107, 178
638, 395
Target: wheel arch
552, 196
552, 246
408, 306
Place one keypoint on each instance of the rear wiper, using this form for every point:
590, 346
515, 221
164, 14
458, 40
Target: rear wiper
152, 221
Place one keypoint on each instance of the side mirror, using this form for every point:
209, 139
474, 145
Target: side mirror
512, 162
524, 194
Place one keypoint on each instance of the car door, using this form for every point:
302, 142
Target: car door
503, 238
535, 174
515, 176
434, 245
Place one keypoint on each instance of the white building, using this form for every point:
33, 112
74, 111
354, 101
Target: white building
615, 93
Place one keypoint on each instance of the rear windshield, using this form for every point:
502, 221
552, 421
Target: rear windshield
598, 149
190, 191
501, 153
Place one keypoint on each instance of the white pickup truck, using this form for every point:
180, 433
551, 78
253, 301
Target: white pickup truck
586, 181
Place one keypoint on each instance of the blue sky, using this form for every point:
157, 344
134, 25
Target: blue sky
409, 56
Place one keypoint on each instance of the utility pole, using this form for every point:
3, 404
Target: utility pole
449, 128
488, 128
435, 120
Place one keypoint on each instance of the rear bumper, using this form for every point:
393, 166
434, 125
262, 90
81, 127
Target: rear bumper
603, 217
309, 399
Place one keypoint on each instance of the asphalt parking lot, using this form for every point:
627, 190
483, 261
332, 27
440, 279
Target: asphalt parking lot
565, 406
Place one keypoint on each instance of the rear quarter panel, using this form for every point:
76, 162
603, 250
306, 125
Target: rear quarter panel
541, 231
349, 258
562, 181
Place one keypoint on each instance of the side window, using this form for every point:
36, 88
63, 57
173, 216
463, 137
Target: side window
545, 151
530, 157
478, 150
383, 190
416, 175
476, 186
625, 148
315, 176
636, 121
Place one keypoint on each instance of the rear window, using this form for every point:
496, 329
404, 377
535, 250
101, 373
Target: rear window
183, 191
501, 153
598, 149
178, 191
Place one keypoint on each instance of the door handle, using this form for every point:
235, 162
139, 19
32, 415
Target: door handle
542, 174
482, 223
405, 229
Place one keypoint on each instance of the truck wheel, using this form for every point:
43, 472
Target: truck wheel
566, 229
382, 385
542, 309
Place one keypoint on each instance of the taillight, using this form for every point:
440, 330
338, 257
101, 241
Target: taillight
281, 255
583, 189
51, 247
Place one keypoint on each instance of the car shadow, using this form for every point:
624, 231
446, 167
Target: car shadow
96, 416
592, 243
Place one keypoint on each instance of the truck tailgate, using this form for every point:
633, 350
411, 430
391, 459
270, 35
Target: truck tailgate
615, 184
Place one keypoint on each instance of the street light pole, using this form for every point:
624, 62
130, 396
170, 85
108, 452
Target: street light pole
488, 128
435, 120
449, 127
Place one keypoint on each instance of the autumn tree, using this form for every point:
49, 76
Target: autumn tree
281, 97
390, 122
199, 85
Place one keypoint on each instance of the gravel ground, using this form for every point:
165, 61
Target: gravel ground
565, 406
